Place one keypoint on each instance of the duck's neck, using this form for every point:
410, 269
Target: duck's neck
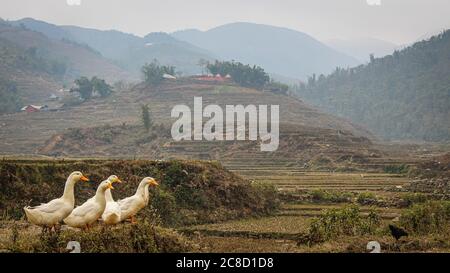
146, 194
142, 190
100, 196
68, 191
108, 196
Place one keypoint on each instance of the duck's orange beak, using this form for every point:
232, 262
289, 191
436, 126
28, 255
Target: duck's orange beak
110, 186
84, 178
154, 183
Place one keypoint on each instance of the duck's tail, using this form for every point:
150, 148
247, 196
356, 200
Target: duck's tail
111, 218
30, 216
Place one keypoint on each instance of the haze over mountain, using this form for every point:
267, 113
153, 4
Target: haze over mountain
129, 51
279, 50
361, 48
401, 96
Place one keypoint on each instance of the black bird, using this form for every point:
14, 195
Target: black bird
397, 232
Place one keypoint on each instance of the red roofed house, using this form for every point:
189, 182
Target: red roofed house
33, 108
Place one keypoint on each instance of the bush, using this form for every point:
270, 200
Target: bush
366, 198
341, 222
429, 217
278, 87
319, 195
412, 198
193, 198
166, 207
145, 116
71, 101
267, 195
396, 169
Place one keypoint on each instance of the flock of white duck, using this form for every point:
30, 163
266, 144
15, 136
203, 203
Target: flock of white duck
101, 206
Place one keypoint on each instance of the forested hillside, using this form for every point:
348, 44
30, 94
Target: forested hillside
34, 66
405, 95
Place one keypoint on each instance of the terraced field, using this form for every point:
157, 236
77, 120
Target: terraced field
290, 180
279, 233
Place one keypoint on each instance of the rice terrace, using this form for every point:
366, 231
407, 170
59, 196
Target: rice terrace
242, 138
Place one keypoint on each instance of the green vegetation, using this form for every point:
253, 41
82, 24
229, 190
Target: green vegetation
87, 88
154, 72
334, 223
10, 101
401, 96
412, 198
145, 116
144, 237
277, 87
320, 195
429, 217
31, 59
244, 75
366, 198
396, 169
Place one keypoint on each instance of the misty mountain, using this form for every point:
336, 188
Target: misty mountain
405, 95
361, 48
279, 50
39, 65
129, 51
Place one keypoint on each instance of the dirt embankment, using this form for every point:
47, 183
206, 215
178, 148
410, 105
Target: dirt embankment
190, 191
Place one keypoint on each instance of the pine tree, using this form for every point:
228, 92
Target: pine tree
146, 120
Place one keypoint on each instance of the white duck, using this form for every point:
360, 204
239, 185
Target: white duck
51, 214
130, 206
86, 214
111, 215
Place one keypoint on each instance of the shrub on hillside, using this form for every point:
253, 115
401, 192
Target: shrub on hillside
412, 198
366, 198
266, 196
396, 169
429, 217
340, 222
319, 195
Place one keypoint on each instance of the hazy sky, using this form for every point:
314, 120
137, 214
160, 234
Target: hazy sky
399, 21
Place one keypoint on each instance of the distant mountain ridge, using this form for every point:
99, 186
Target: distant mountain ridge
278, 50
128, 51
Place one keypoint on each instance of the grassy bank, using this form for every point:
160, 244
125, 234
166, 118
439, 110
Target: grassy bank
190, 192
